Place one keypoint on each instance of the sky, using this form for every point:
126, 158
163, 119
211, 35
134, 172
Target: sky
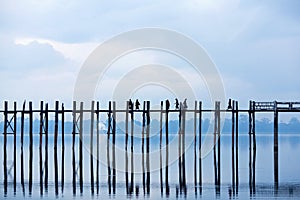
254, 44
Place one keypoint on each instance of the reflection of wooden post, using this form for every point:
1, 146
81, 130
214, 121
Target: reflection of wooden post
195, 147
126, 147
22, 142
15, 147
62, 147
73, 147
91, 146
4, 146
275, 145
160, 145
80, 148
200, 145
41, 146
55, 147
114, 118
30, 147
98, 155
167, 152
46, 148
148, 147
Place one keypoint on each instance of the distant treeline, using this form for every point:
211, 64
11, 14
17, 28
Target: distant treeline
263, 125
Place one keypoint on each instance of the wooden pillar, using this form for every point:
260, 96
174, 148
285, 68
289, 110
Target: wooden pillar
46, 148
275, 145
183, 149
160, 146
41, 146
195, 147
200, 145
237, 144
30, 147
108, 149
143, 146
148, 147
91, 146
62, 147
114, 118
55, 147
22, 142
98, 141
81, 148
4, 146
131, 152
179, 147
15, 147
73, 147
167, 152
232, 143
126, 147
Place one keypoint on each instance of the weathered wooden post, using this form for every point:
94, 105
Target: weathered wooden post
73, 147
126, 148
143, 146
108, 149
275, 145
30, 147
131, 150
148, 147
167, 151
80, 148
15, 147
183, 148
62, 147
195, 147
232, 143
4, 146
22, 142
46, 147
55, 147
179, 147
98, 155
114, 118
91, 146
41, 146
160, 146
237, 145
200, 145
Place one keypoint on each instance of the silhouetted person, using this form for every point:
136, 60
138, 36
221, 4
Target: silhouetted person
130, 105
185, 103
167, 104
176, 104
137, 105
229, 104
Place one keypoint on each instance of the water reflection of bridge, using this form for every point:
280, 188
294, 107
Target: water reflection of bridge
10, 128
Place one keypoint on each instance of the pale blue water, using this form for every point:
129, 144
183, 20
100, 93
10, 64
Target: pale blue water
289, 176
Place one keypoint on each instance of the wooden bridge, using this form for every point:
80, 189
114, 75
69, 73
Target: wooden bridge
10, 128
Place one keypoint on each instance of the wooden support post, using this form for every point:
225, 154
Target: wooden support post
108, 149
81, 148
232, 143
251, 132
114, 118
55, 147
91, 146
73, 147
98, 155
160, 146
62, 147
200, 145
148, 147
179, 147
126, 147
219, 144
30, 147
237, 145
131, 151
15, 147
41, 146
143, 146
4, 146
215, 146
46, 148
167, 152
183, 149
275, 145
195, 147
22, 142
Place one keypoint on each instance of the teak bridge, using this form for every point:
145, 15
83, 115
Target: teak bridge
10, 128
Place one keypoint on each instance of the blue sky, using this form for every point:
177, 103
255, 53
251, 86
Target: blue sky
254, 44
